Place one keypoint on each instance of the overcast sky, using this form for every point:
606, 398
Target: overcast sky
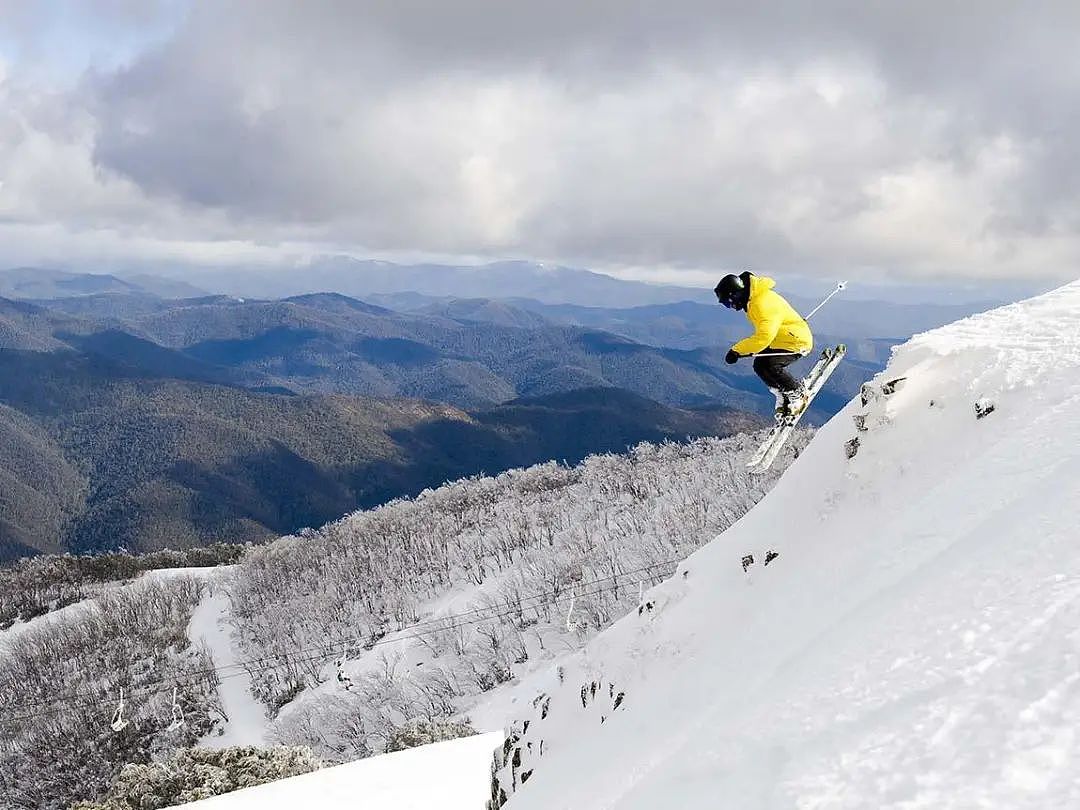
662, 140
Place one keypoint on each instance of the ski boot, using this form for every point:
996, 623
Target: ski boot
795, 402
780, 411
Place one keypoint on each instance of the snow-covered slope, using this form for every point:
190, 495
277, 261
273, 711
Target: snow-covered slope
452, 775
916, 644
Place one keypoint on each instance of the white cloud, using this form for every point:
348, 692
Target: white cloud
653, 142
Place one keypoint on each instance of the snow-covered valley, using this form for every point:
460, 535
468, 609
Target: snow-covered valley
915, 645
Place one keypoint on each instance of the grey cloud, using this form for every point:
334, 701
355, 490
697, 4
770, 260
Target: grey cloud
917, 138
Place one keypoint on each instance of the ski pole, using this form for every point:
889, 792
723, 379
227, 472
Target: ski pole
839, 287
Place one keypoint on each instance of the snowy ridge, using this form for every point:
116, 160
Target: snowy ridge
448, 775
70, 613
916, 644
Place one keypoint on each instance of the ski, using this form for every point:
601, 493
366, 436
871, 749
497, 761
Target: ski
777, 428
774, 442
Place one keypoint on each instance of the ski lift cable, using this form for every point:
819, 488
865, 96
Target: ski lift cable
148, 688
186, 678
442, 623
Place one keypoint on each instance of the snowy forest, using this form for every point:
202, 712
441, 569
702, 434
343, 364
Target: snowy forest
413, 612
419, 608
62, 735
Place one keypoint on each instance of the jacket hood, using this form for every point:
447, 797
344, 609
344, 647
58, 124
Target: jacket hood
760, 284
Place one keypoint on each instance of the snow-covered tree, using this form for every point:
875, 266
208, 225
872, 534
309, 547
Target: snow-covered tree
190, 774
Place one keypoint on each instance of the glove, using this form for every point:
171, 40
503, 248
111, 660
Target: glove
731, 356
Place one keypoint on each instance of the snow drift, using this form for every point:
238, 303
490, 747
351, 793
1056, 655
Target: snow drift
915, 645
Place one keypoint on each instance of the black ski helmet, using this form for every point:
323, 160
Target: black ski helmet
733, 291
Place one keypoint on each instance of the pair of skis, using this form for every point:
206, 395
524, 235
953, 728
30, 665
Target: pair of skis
813, 382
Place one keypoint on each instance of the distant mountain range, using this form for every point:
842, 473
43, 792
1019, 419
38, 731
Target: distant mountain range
690, 324
131, 421
659, 315
469, 352
328, 343
36, 282
132, 417
513, 279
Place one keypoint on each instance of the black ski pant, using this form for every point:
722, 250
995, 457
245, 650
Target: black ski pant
771, 365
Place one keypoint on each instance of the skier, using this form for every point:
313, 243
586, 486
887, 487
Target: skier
781, 336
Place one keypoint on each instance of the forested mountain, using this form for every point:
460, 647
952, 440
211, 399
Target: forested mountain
471, 354
328, 343
870, 329
688, 324
130, 420
111, 440
25, 326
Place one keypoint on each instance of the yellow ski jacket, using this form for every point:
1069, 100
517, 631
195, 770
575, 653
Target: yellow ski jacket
776, 323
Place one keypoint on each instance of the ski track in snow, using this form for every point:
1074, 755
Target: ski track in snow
915, 646
247, 722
